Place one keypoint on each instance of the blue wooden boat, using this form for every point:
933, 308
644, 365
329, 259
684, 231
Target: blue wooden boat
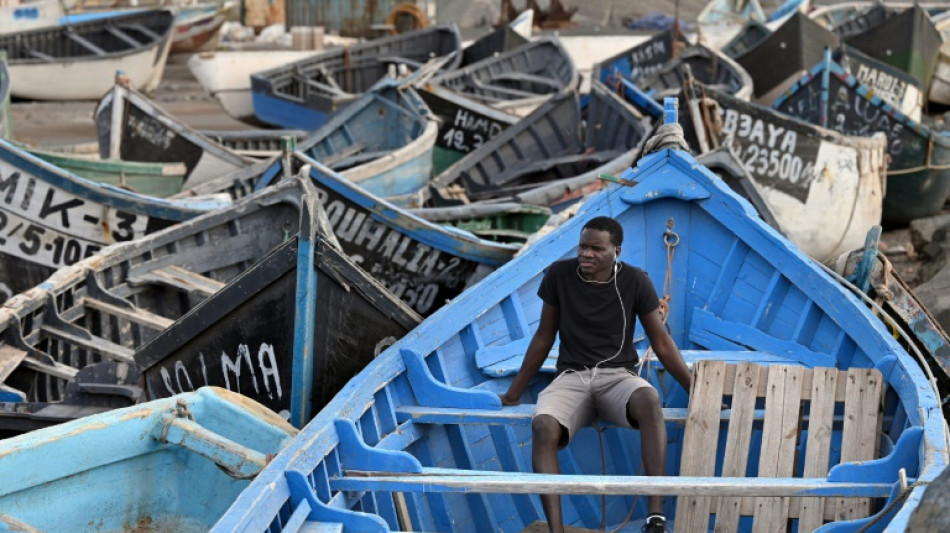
98, 311
643, 60
919, 170
51, 218
708, 66
553, 143
479, 101
170, 465
422, 263
420, 442
306, 93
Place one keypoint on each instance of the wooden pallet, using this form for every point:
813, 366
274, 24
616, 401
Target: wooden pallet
787, 392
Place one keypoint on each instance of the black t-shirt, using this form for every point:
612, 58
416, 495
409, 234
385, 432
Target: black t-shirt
591, 318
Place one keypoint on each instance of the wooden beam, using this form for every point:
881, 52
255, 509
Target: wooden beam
139, 316
493, 482
10, 359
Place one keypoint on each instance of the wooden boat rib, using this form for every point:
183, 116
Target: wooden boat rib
823, 188
197, 452
422, 263
547, 145
104, 307
801, 43
919, 168
257, 144
422, 437
51, 218
304, 94
85, 56
132, 127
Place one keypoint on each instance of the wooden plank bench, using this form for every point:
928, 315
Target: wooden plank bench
785, 391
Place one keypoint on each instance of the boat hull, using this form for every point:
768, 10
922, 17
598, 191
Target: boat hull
90, 459
919, 168
86, 75
428, 423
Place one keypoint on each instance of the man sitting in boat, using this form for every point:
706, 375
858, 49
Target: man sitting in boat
593, 302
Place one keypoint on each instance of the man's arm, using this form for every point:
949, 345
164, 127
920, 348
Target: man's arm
538, 350
665, 348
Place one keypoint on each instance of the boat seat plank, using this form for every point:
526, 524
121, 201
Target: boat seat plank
497, 482
811, 511
360, 158
10, 359
56, 370
507, 91
178, 278
142, 29
343, 153
121, 35
40, 55
139, 316
85, 43
525, 77
103, 347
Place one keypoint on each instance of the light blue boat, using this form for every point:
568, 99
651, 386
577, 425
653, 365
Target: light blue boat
419, 441
382, 142
170, 465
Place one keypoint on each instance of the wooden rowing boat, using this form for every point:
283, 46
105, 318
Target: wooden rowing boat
421, 435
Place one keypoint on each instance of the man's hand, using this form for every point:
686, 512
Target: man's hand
505, 400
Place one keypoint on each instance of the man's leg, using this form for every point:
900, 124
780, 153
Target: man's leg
644, 409
546, 434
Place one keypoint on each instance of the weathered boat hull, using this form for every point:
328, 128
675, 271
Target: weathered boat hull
548, 145
198, 26
643, 60
306, 313
85, 65
306, 93
151, 179
197, 451
480, 100
919, 169
907, 40
707, 66
425, 424
823, 188
100, 309
422, 263
940, 85
54, 218
898, 88
133, 128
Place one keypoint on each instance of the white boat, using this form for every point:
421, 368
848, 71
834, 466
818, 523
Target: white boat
226, 75
79, 61
721, 20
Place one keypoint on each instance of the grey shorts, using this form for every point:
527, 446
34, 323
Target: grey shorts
575, 401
